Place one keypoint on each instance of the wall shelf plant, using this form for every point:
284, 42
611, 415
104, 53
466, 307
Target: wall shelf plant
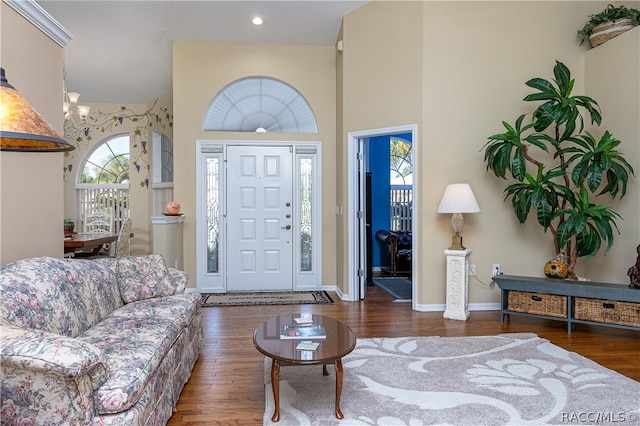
608, 24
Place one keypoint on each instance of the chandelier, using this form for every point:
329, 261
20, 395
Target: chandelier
75, 114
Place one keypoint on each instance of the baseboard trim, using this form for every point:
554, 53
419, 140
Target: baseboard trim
435, 307
431, 307
493, 306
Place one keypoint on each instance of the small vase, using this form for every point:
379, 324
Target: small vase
173, 207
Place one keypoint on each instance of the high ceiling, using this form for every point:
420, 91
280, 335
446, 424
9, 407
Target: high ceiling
121, 50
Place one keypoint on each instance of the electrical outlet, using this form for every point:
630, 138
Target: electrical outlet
496, 269
472, 270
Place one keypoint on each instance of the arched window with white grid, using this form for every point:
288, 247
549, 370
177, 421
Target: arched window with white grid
103, 183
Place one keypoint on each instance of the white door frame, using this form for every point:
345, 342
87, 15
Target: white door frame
361, 221
302, 280
352, 208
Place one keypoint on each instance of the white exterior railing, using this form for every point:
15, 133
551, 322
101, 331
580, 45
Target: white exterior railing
401, 207
110, 198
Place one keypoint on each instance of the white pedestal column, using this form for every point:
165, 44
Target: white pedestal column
457, 285
167, 239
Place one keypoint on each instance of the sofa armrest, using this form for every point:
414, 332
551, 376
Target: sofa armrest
179, 279
48, 376
41, 351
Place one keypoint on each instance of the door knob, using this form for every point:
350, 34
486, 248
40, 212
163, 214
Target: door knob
286, 227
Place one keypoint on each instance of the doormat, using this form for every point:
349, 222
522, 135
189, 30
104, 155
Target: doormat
266, 298
398, 288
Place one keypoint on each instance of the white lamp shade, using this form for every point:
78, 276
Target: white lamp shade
458, 198
83, 111
73, 97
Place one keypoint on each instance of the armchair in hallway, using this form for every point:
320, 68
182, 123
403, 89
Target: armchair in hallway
398, 244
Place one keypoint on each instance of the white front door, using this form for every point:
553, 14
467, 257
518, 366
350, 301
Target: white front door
259, 193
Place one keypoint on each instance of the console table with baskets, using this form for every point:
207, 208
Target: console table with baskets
583, 302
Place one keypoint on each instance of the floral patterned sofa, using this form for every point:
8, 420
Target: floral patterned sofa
95, 342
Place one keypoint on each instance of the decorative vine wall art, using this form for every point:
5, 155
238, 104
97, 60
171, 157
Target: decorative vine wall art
139, 126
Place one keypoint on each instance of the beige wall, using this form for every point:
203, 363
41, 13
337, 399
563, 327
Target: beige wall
473, 59
476, 64
381, 86
613, 80
31, 208
202, 69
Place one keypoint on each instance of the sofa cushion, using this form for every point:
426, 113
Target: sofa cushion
179, 280
61, 296
180, 307
143, 277
135, 339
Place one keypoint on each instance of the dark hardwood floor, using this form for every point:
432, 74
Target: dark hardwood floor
226, 387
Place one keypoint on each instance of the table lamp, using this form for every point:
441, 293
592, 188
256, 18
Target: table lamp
457, 199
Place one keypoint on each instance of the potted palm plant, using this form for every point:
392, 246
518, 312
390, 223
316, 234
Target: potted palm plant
608, 24
581, 168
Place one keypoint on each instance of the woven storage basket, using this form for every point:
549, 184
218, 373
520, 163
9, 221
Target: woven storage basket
607, 311
535, 303
608, 30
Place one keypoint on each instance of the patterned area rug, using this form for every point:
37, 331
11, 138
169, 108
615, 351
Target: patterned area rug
515, 379
266, 298
396, 287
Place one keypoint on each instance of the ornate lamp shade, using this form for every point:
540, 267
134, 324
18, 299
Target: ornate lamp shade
457, 199
22, 128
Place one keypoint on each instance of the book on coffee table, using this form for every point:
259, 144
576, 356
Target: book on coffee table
307, 345
303, 331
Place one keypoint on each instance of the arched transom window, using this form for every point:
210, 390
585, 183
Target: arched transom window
260, 104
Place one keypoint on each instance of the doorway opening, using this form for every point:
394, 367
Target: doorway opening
358, 232
388, 205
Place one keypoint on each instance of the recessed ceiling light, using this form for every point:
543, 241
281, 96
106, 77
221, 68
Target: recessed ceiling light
257, 21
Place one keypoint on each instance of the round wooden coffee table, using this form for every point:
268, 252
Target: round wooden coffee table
339, 341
